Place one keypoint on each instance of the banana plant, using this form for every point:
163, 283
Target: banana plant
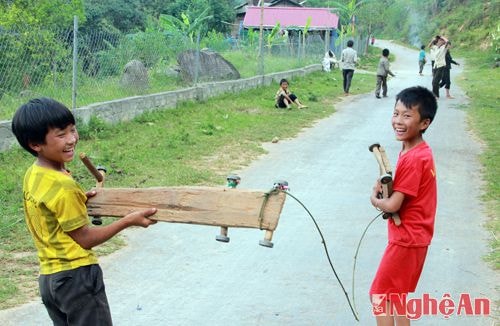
304, 34
348, 13
184, 26
271, 36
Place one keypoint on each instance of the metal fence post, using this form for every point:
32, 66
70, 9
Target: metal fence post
75, 61
261, 40
197, 58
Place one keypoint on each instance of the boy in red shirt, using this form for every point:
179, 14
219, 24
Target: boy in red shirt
414, 197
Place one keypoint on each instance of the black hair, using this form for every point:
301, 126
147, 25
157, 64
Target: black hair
385, 52
350, 43
420, 98
422, 47
32, 121
284, 81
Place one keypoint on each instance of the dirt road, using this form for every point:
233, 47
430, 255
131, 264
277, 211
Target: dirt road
179, 275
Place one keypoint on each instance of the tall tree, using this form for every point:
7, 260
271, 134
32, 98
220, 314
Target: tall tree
37, 13
221, 12
125, 15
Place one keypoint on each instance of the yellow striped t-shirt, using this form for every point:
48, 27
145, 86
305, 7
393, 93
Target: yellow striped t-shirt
54, 204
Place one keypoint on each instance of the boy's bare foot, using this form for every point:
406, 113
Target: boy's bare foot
346, 94
303, 106
449, 96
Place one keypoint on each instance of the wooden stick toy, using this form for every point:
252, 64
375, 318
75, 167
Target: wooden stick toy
385, 178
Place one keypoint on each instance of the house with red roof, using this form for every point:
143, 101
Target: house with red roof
242, 9
321, 19
322, 23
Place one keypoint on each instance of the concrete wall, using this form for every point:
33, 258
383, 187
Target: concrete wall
130, 107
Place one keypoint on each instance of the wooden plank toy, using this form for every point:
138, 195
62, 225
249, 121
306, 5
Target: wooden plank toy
215, 206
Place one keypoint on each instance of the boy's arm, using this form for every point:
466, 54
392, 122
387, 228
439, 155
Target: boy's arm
89, 237
389, 205
388, 69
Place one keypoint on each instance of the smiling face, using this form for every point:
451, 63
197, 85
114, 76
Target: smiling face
59, 147
284, 85
408, 125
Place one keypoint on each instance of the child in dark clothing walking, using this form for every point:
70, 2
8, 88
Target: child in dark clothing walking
382, 71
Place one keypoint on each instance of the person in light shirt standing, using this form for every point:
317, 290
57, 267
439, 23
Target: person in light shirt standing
439, 64
349, 58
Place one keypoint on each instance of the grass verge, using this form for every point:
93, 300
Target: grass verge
481, 82
194, 144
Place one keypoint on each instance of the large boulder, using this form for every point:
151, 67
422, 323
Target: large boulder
135, 75
212, 66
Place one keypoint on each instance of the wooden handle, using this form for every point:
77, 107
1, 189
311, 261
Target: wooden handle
86, 161
385, 171
378, 157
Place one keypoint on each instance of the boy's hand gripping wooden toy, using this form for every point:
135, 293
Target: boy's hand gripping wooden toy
385, 178
99, 174
216, 206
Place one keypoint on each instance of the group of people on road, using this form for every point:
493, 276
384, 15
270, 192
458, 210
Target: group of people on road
439, 54
441, 61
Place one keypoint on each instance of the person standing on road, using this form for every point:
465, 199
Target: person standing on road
382, 71
446, 81
414, 197
71, 281
439, 64
349, 58
421, 60
432, 52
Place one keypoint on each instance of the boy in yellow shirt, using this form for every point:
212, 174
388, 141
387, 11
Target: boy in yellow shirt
71, 282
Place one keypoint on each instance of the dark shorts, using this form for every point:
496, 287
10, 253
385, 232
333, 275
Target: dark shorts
76, 297
281, 101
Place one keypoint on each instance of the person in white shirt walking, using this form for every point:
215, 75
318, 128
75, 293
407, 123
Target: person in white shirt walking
349, 58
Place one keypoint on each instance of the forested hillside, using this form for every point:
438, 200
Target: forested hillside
472, 24
468, 22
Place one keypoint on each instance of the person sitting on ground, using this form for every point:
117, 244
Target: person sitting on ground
329, 61
284, 98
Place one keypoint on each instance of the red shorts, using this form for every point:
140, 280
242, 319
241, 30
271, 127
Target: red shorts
399, 270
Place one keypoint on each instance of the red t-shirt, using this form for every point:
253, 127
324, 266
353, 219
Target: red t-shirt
415, 177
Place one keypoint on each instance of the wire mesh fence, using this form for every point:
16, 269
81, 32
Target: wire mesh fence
80, 67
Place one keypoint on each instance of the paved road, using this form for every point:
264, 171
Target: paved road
174, 274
